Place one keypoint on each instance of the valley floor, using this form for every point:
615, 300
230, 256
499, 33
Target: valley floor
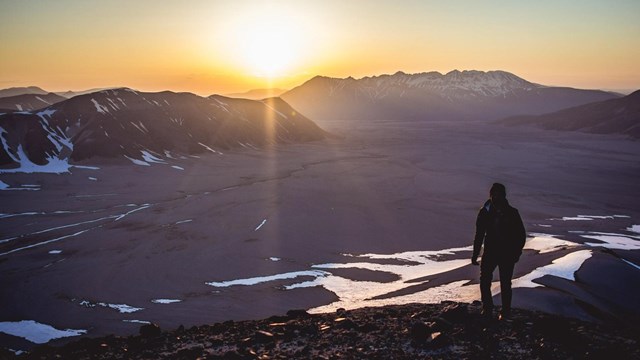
383, 214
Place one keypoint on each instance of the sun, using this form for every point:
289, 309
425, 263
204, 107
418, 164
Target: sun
268, 42
269, 50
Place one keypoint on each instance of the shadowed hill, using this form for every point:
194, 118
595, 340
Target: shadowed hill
124, 123
30, 102
615, 116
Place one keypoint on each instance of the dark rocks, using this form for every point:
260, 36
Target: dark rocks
419, 332
455, 313
262, 336
297, 314
150, 330
414, 331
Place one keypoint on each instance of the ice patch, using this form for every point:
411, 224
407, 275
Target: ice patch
210, 149
183, 221
145, 206
86, 167
36, 332
3, 185
632, 264
53, 166
55, 252
261, 225
634, 229
138, 162
165, 301
619, 242
122, 308
263, 279
137, 321
275, 258
591, 217
564, 267
148, 157
544, 243
92, 178
44, 242
177, 167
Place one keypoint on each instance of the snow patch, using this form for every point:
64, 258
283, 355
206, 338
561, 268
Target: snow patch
55, 252
122, 308
619, 242
177, 167
36, 332
138, 162
634, 229
209, 148
261, 225
150, 158
99, 108
54, 165
544, 243
564, 267
165, 301
137, 321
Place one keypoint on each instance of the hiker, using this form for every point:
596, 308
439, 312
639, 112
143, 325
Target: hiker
500, 228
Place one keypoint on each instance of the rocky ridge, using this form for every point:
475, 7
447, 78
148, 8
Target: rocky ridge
444, 331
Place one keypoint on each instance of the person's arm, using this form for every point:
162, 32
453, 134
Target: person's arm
481, 229
520, 235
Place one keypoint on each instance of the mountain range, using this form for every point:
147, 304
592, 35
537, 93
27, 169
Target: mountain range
615, 116
257, 94
29, 102
145, 128
457, 95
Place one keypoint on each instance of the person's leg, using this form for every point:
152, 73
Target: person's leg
487, 266
506, 273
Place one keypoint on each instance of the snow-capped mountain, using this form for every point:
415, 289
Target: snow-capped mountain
29, 102
615, 116
433, 96
145, 127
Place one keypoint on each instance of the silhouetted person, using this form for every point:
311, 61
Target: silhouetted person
500, 227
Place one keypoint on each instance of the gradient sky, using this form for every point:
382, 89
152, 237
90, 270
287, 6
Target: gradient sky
207, 46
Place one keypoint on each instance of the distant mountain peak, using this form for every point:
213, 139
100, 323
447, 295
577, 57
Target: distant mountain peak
466, 94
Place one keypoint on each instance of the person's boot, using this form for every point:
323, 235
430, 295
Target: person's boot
487, 313
505, 314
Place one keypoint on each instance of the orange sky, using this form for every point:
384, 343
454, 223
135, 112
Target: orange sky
232, 46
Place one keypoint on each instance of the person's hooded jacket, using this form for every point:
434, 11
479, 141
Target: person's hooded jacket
502, 232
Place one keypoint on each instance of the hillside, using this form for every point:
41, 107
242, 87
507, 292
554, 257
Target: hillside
457, 95
615, 116
29, 102
443, 331
146, 128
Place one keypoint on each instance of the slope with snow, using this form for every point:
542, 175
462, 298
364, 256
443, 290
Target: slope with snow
145, 128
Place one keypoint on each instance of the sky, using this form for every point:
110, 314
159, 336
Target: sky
219, 46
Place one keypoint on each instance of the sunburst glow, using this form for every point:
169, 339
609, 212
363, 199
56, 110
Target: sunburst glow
269, 43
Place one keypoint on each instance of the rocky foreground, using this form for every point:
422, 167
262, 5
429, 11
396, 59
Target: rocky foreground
443, 331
